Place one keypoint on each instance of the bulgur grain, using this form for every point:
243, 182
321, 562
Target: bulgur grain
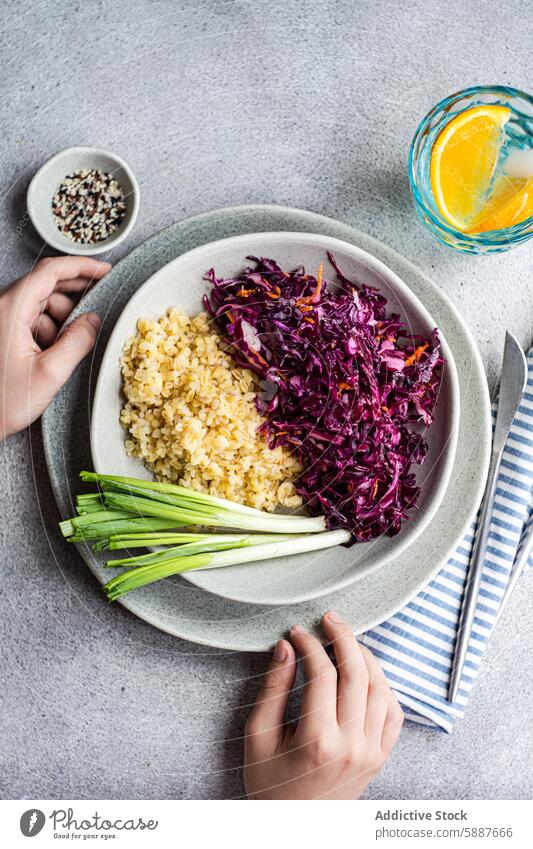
191, 416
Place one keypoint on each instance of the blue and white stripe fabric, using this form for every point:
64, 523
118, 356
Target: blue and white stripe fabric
415, 646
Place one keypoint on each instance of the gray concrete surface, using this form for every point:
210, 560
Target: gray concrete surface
310, 104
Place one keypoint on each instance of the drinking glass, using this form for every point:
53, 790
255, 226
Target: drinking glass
518, 135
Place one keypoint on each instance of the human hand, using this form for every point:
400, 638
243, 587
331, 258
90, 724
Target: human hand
35, 361
350, 720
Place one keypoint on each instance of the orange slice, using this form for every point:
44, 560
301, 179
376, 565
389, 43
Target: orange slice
509, 203
463, 160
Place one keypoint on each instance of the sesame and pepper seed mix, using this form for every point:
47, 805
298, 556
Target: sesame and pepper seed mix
88, 206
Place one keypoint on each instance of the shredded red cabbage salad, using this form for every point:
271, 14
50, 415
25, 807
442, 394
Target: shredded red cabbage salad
346, 387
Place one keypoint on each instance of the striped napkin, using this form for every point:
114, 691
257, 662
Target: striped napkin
416, 645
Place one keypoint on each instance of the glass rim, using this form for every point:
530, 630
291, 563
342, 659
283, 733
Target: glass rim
502, 235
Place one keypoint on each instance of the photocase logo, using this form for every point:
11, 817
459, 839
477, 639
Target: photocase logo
32, 822
64, 823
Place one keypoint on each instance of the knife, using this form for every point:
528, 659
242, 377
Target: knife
512, 384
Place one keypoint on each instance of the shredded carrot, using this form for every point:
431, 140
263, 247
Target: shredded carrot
274, 294
305, 307
316, 294
230, 317
257, 355
243, 293
344, 386
414, 358
376, 485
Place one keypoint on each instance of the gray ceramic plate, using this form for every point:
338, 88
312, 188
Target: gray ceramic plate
181, 283
177, 607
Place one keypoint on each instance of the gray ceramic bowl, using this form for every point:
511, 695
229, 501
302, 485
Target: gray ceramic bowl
47, 179
180, 283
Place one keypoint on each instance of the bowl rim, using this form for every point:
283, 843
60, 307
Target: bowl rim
399, 286
61, 243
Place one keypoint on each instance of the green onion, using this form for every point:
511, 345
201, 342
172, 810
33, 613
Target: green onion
117, 481
143, 540
214, 516
131, 513
140, 576
69, 526
103, 529
147, 540
209, 542
89, 503
198, 502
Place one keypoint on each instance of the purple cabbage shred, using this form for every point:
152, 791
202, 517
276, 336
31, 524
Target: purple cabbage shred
344, 385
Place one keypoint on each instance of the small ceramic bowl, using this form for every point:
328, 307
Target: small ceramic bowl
47, 180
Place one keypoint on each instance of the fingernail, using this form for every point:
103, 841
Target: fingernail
103, 262
334, 617
94, 319
297, 629
280, 652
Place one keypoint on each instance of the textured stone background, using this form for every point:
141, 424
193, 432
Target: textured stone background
310, 104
